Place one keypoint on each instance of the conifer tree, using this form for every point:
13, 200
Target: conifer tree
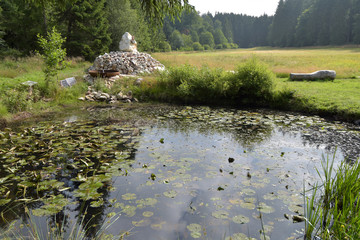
87, 29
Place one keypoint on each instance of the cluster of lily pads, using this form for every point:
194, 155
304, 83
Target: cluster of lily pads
44, 163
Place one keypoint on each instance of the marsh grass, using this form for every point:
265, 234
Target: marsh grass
333, 210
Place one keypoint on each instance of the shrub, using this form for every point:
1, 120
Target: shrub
219, 46
197, 46
234, 45
253, 80
164, 46
226, 45
207, 47
53, 54
15, 101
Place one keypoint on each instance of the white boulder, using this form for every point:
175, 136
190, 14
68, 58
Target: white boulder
128, 43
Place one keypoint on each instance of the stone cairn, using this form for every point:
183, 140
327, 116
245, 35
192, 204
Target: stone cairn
128, 62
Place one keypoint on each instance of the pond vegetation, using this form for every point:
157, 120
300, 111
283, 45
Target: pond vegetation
164, 172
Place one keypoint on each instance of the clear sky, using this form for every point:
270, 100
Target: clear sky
249, 7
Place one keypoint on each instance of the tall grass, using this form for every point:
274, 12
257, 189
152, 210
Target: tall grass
333, 210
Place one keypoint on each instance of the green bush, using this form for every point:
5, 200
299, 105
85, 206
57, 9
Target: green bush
253, 80
164, 46
207, 47
234, 45
219, 46
189, 83
251, 83
197, 46
226, 45
16, 100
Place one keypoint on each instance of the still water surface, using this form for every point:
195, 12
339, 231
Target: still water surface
167, 172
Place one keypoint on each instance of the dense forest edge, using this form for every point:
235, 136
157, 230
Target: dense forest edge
94, 27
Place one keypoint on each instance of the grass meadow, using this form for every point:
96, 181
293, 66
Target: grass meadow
339, 98
345, 60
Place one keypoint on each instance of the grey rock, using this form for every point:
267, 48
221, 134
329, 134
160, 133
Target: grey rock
322, 74
68, 82
29, 83
138, 81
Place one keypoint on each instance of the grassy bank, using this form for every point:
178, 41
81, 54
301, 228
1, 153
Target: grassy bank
338, 98
210, 85
16, 97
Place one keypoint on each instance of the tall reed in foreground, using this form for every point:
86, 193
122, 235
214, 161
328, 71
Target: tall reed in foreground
333, 210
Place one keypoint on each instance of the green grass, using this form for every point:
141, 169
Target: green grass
280, 61
15, 97
333, 210
338, 98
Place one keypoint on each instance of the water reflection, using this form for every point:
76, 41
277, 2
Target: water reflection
167, 170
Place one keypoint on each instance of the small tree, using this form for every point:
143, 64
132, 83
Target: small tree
53, 54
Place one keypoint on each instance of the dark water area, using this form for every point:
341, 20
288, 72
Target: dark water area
165, 172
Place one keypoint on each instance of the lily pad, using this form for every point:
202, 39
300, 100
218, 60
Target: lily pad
265, 208
148, 214
170, 194
146, 202
129, 210
220, 214
239, 236
241, 219
195, 230
141, 223
128, 196
158, 226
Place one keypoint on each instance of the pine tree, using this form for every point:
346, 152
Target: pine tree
87, 29
22, 22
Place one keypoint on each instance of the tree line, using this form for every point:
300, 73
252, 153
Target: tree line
92, 27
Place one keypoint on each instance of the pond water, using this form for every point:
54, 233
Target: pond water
165, 172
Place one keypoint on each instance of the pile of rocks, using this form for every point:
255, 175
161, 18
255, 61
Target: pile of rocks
99, 96
127, 63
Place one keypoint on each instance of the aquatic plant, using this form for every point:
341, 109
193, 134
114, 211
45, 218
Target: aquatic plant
333, 211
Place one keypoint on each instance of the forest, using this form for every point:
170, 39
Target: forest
92, 27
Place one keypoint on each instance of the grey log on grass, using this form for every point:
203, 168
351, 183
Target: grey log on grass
318, 75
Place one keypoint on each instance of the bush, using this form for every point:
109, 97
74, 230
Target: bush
226, 45
253, 80
15, 101
197, 46
234, 45
53, 54
193, 84
219, 46
251, 83
207, 47
164, 46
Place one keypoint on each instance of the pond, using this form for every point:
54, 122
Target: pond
165, 172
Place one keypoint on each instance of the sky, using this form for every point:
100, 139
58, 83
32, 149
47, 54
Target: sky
249, 7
